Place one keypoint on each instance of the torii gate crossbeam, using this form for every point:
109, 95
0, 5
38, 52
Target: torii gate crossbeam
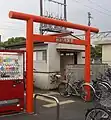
30, 37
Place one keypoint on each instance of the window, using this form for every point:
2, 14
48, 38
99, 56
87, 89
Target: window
44, 55
41, 55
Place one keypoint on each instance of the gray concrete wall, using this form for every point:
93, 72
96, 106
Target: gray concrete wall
52, 65
78, 71
53, 58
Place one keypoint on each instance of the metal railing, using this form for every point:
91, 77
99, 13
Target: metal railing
48, 97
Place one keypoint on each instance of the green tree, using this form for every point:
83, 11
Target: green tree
96, 52
2, 44
12, 41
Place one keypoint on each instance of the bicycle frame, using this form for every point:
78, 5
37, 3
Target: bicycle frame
82, 85
74, 89
91, 86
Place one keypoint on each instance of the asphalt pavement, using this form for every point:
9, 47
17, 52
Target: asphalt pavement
72, 108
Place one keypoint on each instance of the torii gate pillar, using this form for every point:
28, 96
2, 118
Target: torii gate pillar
50, 38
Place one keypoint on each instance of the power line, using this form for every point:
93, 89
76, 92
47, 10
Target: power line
99, 11
100, 6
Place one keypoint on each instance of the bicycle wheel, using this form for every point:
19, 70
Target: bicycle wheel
101, 91
84, 92
97, 114
65, 90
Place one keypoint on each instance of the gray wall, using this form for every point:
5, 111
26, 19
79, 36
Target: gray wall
53, 58
78, 71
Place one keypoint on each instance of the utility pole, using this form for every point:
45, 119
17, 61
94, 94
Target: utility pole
41, 14
89, 18
65, 10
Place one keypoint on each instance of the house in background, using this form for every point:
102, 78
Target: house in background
51, 58
106, 49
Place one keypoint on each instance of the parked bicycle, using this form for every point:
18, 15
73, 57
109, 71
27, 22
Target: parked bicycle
67, 89
78, 88
98, 114
106, 78
99, 86
55, 78
102, 107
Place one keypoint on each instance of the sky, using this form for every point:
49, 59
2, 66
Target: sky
77, 12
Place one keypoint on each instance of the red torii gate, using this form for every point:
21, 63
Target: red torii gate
30, 37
